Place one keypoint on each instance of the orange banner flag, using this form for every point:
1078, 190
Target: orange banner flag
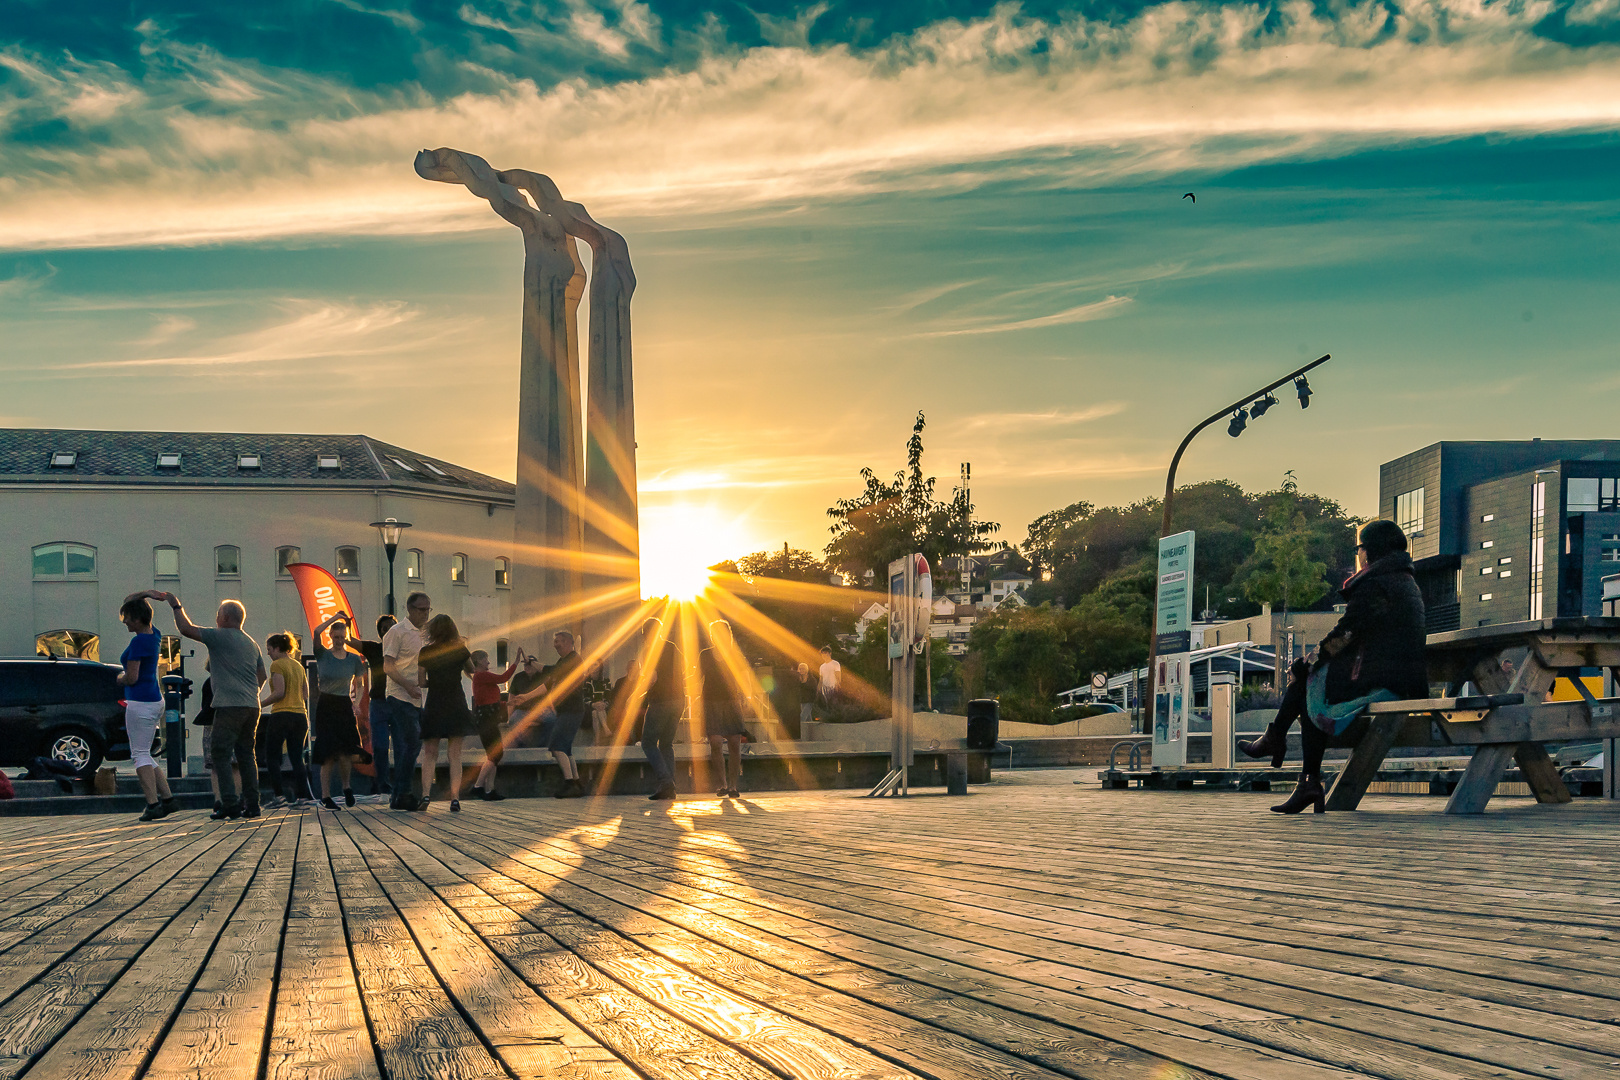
323, 597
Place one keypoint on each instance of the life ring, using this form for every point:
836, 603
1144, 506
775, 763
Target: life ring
925, 603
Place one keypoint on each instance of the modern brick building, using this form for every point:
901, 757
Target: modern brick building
1507, 531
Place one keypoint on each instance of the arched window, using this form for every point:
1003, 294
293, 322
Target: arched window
228, 561
166, 561
285, 555
413, 565
458, 569
347, 562
503, 573
64, 562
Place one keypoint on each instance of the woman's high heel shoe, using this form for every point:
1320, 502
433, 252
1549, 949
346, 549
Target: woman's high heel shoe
1308, 793
1259, 748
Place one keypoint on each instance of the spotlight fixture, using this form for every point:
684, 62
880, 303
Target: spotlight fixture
1258, 409
1240, 420
1304, 389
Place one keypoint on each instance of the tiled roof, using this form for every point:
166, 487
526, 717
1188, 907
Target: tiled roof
214, 458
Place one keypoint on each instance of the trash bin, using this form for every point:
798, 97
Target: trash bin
984, 723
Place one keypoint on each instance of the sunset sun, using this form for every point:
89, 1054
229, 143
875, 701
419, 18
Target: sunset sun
679, 543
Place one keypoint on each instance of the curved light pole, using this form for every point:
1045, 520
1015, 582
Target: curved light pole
1239, 413
389, 528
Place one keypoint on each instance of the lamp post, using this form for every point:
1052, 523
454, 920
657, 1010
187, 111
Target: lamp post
389, 529
1254, 404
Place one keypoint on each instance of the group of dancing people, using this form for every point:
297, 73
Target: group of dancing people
406, 689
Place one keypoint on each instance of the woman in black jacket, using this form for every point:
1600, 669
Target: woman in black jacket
1377, 646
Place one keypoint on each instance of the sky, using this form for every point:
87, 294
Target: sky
839, 214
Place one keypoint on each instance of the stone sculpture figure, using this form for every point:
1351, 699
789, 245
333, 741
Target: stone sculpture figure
573, 499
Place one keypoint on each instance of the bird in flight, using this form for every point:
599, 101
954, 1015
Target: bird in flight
1191, 196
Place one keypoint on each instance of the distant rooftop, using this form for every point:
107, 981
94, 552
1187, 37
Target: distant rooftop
61, 456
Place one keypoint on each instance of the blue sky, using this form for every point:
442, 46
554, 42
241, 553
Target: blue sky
839, 214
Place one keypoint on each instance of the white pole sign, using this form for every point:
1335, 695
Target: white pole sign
1172, 676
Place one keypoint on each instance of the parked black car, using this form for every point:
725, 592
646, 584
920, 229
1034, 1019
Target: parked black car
67, 709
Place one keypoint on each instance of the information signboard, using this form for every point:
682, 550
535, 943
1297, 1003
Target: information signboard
1172, 675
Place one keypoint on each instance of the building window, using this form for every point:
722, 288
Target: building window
347, 562
64, 459
1409, 511
503, 573
328, 461
168, 459
284, 556
1487, 544
1488, 517
413, 565
227, 561
247, 461
60, 562
501, 650
1507, 559
458, 569
1506, 574
402, 464
69, 643
434, 469
1484, 596
1487, 569
1538, 520
166, 561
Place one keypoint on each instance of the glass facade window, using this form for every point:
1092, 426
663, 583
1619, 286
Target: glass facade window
284, 556
166, 561
1538, 522
503, 573
458, 569
1409, 511
413, 565
227, 561
347, 562
64, 561
1591, 494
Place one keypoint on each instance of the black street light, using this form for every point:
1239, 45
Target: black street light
1259, 402
1258, 409
390, 528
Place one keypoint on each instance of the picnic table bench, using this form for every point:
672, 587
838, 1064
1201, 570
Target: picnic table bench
1514, 666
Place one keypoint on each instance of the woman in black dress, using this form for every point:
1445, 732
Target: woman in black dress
722, 707
445, 715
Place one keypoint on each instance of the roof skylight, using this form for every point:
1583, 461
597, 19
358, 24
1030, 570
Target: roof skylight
168, 459
64, 459
247, 461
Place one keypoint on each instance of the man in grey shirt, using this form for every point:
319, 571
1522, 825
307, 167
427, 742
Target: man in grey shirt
237, 669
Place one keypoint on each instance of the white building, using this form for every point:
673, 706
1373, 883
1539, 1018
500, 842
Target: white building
1005, 584
88, 517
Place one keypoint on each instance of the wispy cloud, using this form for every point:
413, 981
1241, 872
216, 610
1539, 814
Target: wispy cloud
200, 147
1042, 420
1101, 309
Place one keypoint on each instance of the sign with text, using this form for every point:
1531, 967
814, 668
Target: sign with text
1172, 677
1175, 584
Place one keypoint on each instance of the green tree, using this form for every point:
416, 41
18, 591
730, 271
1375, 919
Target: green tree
891, 519
792, 588
1281, 571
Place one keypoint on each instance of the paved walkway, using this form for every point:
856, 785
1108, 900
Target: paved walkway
1035, 929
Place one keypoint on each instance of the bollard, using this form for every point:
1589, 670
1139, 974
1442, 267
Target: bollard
1223, 690
176, 688
956, 774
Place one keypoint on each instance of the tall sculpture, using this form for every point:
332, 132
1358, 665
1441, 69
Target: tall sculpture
573, 500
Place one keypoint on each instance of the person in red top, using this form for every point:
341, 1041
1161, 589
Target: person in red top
488, 713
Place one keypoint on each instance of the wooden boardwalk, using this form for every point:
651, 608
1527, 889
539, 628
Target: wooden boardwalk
1035, 929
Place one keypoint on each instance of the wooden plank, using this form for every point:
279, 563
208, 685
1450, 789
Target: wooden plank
1362, 767
318, 1029
113, 1036
1479, 780
219, 1033
1540, 773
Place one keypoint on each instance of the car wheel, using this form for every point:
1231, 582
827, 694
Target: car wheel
77, 746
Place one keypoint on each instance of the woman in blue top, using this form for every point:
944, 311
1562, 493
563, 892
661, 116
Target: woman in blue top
143, 705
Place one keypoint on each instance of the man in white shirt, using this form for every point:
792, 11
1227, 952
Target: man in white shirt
827, 690
400, 647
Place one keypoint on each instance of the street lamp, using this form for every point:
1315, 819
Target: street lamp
1255, 405
389, 528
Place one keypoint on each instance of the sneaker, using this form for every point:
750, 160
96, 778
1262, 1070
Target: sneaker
169, 806
455, 806
154, 812
573, 789
421, 804
665, 793
348, 796
328, 804
226, 813
219, 811
493, 796
250, 812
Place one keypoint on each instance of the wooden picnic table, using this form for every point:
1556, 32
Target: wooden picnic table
1513, 666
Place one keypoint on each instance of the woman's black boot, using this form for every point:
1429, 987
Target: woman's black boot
1310, 792
1269, 743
